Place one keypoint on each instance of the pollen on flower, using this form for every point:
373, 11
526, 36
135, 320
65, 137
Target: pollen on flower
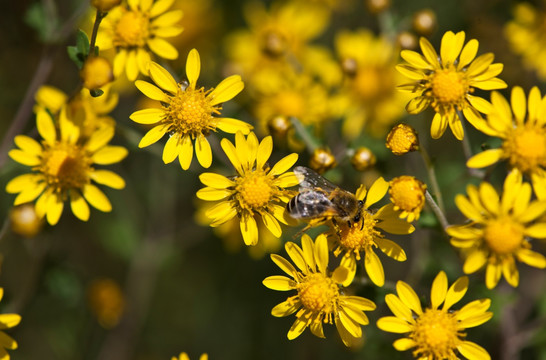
131, 30
402, 139
449, 87
436, 334
504, 236
254, 189
359, 236
318, 293
190, 112
66, 166
526, 148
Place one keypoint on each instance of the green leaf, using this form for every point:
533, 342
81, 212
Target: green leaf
82, 43
74, 56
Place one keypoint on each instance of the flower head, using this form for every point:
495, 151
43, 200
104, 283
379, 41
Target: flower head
365, 235
184, 356
521, 125
63, 168
256, 190
96, 72
408, 196
187, 112
500, 229
446, 82
320, 298
24, 220
363, 159
8, 321
135, 31
402, 139
436, 333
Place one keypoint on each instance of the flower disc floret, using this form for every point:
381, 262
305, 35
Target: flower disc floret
437, 334
255, 190
318, 293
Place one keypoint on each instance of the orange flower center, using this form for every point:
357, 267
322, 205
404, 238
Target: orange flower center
190, 112
255, 190
66, 166
436, 335
360, 236
449, 87
131, 30
526, 148
504, 236
318, 293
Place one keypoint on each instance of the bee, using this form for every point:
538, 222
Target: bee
319, 200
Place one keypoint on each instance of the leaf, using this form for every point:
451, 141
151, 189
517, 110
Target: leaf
82, 43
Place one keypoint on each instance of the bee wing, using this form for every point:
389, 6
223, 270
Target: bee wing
313, 204
309, 179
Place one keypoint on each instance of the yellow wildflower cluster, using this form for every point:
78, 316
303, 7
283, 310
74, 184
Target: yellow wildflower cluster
322, 138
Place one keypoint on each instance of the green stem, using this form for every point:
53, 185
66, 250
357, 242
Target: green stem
98, 18
310, 142
432, 178
437, 210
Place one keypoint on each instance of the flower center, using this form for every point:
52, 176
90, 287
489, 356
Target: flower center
66, 166
359, 236
290, 103
190, 112
274, 44
407, 193
448, 87
503, 236
131, 30
255, 190
436, 335
526, 148
318, 293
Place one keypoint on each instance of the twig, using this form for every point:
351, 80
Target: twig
437, 211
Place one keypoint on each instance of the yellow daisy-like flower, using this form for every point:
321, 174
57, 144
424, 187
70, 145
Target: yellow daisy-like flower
365, 235
62, 168
525, 34
8, 321
368, 97
436, 333
256, 190
500, 228
446, 82
135, 31
187, 112
320, 296
184, 356
408, 196
522, 127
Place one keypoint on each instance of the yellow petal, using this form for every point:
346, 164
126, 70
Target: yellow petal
163, 78
30, 193
226, 90
374, 269
519, 104
153, 92
147, 116
96, 198
284, 164
186, 153
100, 138
193, 67
438, 126
284, 265
203, 151
279, 283
415, 59
211, 194
398, 308
119, 63
153, 135
143, 60
296, 255
456, 292
55, 207
216, 180
172, 149
231, 153
249, 229
24, 158
394, 325
131, 66
429, 52
28, 145
231, 126
321, 253
418, 104
159, 7
264, 152
110, 155
79, 206
299, 325
473, 351
408, 296
22, 182
531, 258
163, 48
272, 224
108, 178
391, 249
439, 290
468, 54
377, 191
492, 275
404, 344
475, 261
285, 308
45, 126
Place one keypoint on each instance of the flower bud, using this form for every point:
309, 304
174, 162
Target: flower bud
377, 6
402, 139
322, 160
407, 40
96, 72
424, 22
363, 159
105, 5
24, 220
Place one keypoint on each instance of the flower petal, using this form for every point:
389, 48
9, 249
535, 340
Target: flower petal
96, 198
193, 67
226, 90
203, 151
249, 229
163, 78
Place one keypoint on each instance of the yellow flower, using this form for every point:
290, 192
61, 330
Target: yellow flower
368, 98
187, 112
62, 168
363, 159
365, 235
320, 297
135, 31
408, 196
96, 72
525, 34
8, 321
436, 333
446, 82
522, 127
256, 190
402, 139
500, 228
184, 356
89, 113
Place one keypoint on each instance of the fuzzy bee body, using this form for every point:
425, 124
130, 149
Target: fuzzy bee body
320, 199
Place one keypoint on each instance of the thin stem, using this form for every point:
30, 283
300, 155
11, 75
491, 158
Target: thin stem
467, 149
436, 209
310, 142
98, 18
432, 178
